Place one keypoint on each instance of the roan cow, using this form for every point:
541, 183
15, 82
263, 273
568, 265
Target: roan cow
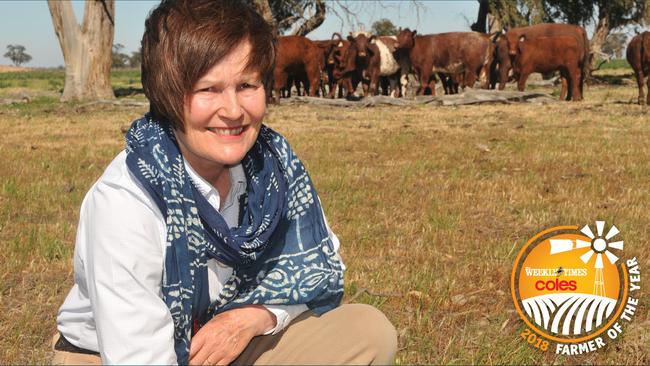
468, 54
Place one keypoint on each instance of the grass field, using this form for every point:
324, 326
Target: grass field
431, 205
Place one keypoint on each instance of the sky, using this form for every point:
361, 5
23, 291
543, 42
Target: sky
28, 23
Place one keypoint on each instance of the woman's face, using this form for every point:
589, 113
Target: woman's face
223, 114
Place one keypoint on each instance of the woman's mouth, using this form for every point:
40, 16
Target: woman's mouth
227, 131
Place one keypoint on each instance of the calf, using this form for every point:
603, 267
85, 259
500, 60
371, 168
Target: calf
550, 30
549, 54
297, 58
638, 55
468, 54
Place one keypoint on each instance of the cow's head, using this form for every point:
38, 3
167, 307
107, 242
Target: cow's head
361, 43
406, 38
335, 53
513, 43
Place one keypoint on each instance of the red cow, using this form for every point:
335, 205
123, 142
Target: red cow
336, 59
638, 55
548, 54
501, 66
549, 30
466, 53
298, 58
360, 60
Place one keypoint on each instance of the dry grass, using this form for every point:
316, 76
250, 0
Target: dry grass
430, 204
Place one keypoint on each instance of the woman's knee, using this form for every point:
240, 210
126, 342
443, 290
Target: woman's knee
374, 331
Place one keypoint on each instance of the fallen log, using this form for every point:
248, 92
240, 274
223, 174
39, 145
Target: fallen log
469, 97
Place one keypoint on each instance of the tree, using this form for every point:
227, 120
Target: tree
483, 10
303, 16
136, 58
384, 27
120, 60
86, 48
615, 44
16, 53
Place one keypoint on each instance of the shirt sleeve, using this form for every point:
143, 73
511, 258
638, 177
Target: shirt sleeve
123, 237
285, 314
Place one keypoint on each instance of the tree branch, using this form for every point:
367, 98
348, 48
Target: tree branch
314, 21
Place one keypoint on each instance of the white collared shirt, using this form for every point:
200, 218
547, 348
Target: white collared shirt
115, 306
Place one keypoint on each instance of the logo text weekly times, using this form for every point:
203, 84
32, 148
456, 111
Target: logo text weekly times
574, 288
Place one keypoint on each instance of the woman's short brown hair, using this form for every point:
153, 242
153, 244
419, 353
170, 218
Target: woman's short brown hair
184, 39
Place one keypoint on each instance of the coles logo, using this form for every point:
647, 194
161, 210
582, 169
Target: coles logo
574, 289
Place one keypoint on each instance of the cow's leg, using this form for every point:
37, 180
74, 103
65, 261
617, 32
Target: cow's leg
280, 80
469, 78
312, 79
403, 83
574, 83
374, 83
521, 83
332, 90
640, 79
648, 91
425, 74
484, 76
503, 76
393, 80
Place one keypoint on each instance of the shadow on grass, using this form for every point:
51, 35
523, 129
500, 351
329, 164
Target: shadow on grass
127, 91
625, 79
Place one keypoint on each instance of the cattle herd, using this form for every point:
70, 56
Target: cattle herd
381, 64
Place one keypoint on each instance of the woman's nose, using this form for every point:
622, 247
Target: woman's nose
230, 108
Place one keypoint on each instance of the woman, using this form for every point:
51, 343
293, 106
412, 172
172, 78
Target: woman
204, 242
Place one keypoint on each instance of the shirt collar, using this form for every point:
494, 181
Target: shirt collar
237, 179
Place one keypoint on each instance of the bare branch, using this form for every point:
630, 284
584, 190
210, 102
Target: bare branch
314, 21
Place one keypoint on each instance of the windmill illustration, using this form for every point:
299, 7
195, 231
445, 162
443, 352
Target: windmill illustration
598, 245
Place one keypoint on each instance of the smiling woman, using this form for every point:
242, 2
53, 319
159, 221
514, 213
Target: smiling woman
204, 241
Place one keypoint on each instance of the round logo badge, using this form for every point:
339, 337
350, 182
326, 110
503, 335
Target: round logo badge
573, 288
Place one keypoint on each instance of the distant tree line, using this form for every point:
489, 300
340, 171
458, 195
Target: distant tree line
122, 60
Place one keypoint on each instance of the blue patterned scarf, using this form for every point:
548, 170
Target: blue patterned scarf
281, 252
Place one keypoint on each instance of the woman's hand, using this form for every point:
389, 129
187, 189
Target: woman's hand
224, 337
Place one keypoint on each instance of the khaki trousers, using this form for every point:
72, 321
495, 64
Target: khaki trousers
354, 334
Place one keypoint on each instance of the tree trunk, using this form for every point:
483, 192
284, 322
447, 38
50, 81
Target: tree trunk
315, 21
86, 48
600, 34
263, 7
483, 10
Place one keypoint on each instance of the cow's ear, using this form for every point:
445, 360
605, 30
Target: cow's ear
372, 39
414, 32
522, 38
350, 38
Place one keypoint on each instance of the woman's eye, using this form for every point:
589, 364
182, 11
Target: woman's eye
209, 89
248, 86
